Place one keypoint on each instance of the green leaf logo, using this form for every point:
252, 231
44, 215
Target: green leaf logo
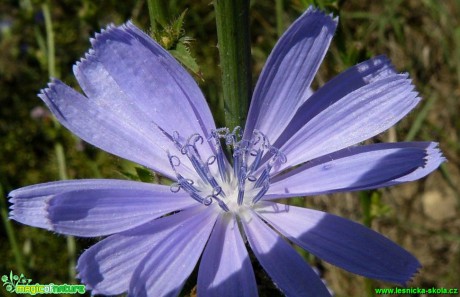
13, 280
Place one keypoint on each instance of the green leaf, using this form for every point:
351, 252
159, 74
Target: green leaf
177, 25
182, 53
172, 38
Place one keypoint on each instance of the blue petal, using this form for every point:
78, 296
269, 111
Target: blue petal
225, 268
285, 80
433, 159
346, 82
91, 208
108, 130
356, 117
341, 242
129, 61
165, 268
283, 264
132, 85
354, 168
108, 266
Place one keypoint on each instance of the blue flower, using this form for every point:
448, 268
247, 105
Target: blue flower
141, 105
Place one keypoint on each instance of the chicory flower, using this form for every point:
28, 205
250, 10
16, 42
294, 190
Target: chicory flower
141, 105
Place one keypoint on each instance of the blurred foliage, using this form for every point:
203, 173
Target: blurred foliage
420, 36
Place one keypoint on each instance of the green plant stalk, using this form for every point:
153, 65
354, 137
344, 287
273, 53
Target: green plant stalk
70, 240
10, 233
279, 17
50, 53
417, 125
365, 199
158, 13
62, 168
232, 19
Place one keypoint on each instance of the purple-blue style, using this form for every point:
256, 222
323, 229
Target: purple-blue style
140, 104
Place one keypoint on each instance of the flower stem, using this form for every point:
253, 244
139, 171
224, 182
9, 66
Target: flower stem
365, 201
49, 39
58, 149
365, 198
10, 234
232, 18
158, 13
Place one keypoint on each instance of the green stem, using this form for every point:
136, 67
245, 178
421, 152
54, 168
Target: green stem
59, 151
365, 201
70, 240
365, 198
158, 13
49, 40
62, 167
232, 18
417, 125
10, 233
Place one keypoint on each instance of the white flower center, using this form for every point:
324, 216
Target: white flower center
234, 187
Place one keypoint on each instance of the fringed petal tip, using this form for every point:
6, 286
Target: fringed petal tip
103, 31
11, 213
405, 277
88, 287
112, 31
44, 92
329, 20
433, 159
414, 94
415, 271
314, 10
80, 276
99, 37
29, 211
434, 152
94, 41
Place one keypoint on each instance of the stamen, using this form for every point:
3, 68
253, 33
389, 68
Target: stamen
199, 198
186, 184
248, 155
252, 178
241, 184
236, 162
217, 135
176, 140
263, 176
262, 192
207, 200
175, 187
261, 140
231, 139
173, 164
255, 164
278, 156
190, 150
216, 191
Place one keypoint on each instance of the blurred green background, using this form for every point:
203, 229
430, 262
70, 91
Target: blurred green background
422, 37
